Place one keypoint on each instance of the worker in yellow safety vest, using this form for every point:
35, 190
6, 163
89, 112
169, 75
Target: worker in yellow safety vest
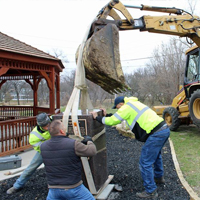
37, 136
148, 127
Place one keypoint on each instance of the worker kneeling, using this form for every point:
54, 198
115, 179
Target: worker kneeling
61, 157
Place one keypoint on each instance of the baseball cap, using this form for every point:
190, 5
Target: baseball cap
43, 119
118, 100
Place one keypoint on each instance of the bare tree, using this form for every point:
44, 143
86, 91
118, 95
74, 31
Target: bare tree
67, 79
166, 67
18, 86
97, 94
4, 89
135, 80
43, 93
59, 54
8, 97
192, 6
66, 86
27, 91
160, 80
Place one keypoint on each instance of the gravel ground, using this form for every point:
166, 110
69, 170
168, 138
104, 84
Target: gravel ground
123, 158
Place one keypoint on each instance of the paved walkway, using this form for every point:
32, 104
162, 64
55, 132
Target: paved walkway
26, 157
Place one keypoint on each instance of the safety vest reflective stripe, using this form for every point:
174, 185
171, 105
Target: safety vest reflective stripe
140, 112
118, 117
38, 135
103, 120
37, 144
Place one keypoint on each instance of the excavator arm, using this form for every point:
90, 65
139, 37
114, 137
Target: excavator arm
101, 56
181, 24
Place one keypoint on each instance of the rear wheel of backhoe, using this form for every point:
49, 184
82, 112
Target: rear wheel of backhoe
170, 115
194, 107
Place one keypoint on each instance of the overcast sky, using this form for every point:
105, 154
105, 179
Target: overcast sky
61, 24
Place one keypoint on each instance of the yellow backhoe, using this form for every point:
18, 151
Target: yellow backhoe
101, 57
185, 107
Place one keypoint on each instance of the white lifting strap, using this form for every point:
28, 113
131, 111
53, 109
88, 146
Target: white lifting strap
80, 91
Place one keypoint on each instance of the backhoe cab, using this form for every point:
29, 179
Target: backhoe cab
185, 107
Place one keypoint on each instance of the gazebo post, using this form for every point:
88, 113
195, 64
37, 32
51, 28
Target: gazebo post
35, 102
58, 92
52, 92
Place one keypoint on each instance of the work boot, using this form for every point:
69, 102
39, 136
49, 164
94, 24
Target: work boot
12, 190
145, 194
160, 180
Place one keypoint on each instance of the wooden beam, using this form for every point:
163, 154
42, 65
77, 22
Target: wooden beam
29, 82
45, 75
52, 92
35, 88
33, 59
58, 92
30, 73
37, 82
3, 70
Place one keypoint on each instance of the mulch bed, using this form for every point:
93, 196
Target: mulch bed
123, 163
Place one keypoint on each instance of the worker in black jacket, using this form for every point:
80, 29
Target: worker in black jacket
61, 157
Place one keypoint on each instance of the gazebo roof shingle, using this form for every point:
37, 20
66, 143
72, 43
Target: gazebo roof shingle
11, 44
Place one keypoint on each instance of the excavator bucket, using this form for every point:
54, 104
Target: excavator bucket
101, 59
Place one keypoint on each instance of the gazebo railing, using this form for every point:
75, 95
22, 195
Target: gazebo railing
15, 112
16, 123
14, 135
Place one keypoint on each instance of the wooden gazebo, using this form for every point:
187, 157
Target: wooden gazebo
19, 61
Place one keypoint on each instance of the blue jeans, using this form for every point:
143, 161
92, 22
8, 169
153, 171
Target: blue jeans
77, 193
151, 165
28, 172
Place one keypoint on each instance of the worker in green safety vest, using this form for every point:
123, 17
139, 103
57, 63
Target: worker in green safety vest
37, 136
148, 127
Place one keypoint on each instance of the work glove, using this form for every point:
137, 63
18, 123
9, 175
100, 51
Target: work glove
86, 139
67, 134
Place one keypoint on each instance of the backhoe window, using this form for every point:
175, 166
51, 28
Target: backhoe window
193, 69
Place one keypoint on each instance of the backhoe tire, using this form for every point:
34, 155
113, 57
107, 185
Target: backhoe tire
194, 107
170, 115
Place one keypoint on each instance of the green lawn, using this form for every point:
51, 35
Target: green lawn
186, 142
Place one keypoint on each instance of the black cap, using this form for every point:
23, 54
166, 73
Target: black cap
43, 119
118, 100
